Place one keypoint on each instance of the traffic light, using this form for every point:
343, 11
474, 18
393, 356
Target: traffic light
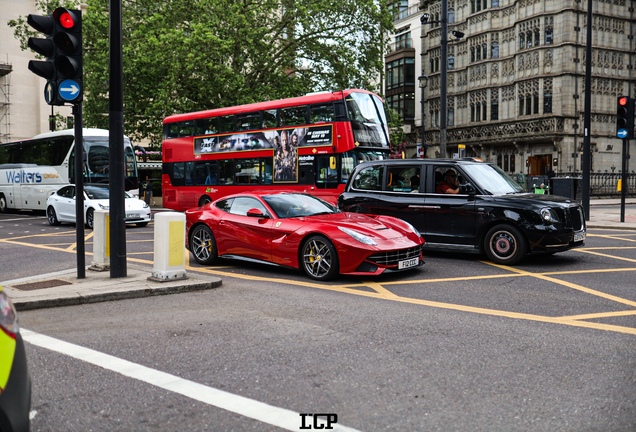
625, 117
63, 51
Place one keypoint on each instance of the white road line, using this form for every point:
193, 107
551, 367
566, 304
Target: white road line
253, 409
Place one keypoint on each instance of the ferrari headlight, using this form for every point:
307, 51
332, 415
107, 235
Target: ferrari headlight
358, 236
146, 205
413, 228
549, 215
103, 207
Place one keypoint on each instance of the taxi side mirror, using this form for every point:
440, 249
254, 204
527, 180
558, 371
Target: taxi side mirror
467, 189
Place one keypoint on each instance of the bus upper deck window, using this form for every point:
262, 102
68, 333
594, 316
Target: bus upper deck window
322, 113
249, 121
226, 123
269, 118
207, 126
173, 130
186, 129
293, 116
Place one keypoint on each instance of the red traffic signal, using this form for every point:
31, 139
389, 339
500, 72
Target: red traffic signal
625, 117
622, 100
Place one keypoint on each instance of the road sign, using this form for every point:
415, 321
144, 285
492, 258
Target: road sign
69, 90
622, 133
49, 92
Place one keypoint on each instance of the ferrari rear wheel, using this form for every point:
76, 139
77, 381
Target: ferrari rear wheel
203, 245
319, 258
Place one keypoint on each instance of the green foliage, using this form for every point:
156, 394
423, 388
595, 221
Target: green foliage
202, 54
397, 134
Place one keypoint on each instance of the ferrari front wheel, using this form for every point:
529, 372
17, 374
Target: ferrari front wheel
203, 245
319, 258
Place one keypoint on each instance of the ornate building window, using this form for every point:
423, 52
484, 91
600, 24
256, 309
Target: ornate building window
549, 35
547, 96
472, 54
528, 98
527, 30
485, 51
451, 61
478, 106
477, 5
451, 16
495, 50
451, 117
494, 3
494, 104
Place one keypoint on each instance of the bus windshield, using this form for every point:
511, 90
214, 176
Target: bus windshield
368, 120
98, 159
352, 158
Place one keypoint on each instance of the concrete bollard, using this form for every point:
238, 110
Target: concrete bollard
170, 256
101, 241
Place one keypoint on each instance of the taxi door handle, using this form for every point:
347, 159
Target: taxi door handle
424, 207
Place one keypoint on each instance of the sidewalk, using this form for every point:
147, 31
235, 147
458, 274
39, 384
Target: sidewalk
65, 289
601, 216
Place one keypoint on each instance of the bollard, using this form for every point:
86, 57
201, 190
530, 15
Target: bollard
101, 241
170, 256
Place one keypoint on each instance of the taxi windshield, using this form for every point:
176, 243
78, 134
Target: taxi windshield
298, 205
492, 179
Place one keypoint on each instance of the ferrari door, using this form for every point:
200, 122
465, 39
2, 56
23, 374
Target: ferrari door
243, 235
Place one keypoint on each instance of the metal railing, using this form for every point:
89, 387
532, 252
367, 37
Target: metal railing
602, 185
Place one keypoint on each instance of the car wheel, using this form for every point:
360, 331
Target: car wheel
203, 245
505, 244
3, 204
141, 224
90, 218
204, 200
52, 216
319, 258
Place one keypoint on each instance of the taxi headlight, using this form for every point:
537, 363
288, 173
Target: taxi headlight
549, 215
358, 236
8, 315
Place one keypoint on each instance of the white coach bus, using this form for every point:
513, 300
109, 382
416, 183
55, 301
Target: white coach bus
33, 169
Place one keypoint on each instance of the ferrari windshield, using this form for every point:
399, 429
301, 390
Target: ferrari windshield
492, 179
290, 205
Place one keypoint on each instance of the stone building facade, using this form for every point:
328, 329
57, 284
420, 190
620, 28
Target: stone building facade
516, 81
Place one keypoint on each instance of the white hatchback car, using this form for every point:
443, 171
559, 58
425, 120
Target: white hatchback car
60, 207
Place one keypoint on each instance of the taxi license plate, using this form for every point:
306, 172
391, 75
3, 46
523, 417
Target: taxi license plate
579, 236
131, 215
408, 263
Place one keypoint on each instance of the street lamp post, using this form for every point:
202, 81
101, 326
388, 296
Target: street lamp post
423, 79
443, 89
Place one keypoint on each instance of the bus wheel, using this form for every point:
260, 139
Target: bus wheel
3, 204
319, 258
90, 214
204, 200
51, 216
203, 245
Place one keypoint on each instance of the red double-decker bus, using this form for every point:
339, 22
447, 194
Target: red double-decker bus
309, 143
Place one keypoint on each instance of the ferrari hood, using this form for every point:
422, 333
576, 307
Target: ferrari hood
367, 225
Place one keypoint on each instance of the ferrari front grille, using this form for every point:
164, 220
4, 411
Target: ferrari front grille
392, 258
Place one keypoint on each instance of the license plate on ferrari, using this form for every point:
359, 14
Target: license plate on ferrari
132, 216
579, 236
408, 263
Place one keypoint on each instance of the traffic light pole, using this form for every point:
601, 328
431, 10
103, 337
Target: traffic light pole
624, 177
587, 155
116, 140
79, 192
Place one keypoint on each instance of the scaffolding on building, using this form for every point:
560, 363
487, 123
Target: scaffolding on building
5, 101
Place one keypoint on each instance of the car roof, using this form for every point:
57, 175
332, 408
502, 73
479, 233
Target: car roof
462, 161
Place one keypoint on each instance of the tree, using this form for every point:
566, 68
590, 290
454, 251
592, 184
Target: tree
186, 56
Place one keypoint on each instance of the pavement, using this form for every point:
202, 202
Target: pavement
65, 289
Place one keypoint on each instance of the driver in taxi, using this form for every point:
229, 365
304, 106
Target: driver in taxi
450, 185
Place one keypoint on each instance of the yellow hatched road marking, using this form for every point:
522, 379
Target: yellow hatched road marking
382, 293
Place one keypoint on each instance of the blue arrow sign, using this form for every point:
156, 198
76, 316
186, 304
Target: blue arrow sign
622, 133
69, 90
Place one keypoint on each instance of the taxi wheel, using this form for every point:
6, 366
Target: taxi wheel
319, 258
203, 245
90, 218
505, 244
52, 216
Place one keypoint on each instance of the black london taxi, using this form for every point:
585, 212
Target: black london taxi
485, 210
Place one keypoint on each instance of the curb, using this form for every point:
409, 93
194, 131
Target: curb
80, 299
